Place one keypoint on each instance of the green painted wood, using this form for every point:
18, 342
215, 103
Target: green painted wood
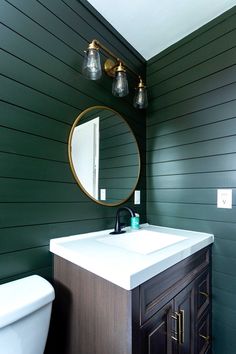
191, 211
20, 119
224, 248
183, 195
12, 264
117, 140
195, 73
42, 82
120, 161
222, 179
121, 150
224, 281
227, 316
200, 55
26, 191
23, 96
202, 117
121, 136
119, 172
12, 141
196, 165
225, 299
192, 104
211, 147
41, 213
196, 88
42, 92
188, 136
119, 183
16, 166
45, 272
108, 120
222, 230
226, 263
191, 152
223, 331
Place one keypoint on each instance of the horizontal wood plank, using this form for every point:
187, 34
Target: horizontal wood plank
45, 272
208, 115
192, 211
193, 165
16, 263
184, 195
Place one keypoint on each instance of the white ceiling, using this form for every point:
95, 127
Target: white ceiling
150, 26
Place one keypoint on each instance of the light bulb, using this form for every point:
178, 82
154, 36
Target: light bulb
92, 64
120, 86
140, 98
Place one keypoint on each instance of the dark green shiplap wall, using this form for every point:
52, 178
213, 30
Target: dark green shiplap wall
42, 91
191, 151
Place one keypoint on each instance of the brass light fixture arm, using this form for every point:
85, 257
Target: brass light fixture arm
100, 45
96, 44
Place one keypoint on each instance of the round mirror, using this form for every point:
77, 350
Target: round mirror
104, 155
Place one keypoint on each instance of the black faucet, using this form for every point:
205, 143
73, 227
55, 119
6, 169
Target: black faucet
118, 224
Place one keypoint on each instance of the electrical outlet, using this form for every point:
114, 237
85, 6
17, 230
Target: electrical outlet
102, 194
224, 198
136, 197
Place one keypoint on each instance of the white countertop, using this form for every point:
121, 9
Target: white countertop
125, 268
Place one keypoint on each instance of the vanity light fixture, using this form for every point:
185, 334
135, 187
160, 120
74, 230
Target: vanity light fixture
115, 68
140, 98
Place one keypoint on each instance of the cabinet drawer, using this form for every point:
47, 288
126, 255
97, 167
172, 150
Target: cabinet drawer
159, 290
203, 333
202, 287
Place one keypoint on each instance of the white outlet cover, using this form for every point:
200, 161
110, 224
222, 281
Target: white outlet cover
103, 194
224, 198
137, 197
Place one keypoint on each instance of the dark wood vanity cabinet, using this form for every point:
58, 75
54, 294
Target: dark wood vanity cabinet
176, 316
168, 314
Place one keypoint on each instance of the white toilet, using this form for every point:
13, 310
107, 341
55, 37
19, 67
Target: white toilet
25, 311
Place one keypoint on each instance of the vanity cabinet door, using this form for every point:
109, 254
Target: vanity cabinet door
157, 332
183, 321
171, 329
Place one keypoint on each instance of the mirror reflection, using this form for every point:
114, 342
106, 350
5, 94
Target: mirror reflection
104, 155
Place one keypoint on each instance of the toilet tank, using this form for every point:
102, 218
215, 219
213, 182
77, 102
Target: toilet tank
25, 311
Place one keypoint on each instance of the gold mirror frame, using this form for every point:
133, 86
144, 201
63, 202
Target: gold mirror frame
77, 120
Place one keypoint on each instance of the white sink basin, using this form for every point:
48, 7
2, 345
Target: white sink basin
130, 259
142, 241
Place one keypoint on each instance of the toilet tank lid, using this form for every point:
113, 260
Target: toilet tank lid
21, 297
